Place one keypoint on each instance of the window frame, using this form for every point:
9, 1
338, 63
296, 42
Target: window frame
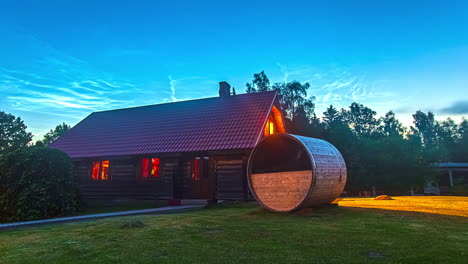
100, 171
270, 127
203, 168
149, 174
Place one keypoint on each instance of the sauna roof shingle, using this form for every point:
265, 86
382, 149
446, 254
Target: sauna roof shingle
217, 123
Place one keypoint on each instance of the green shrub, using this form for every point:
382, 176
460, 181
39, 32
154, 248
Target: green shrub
35, 183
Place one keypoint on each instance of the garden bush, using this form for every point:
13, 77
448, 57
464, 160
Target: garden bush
36, 182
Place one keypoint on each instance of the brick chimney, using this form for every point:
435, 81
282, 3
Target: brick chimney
224, 89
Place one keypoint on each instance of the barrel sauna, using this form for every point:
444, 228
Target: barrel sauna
289, 172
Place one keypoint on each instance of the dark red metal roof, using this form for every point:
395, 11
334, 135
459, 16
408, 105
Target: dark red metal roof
218, 123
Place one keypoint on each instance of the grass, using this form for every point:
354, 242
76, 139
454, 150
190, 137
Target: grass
245, 233
99, 207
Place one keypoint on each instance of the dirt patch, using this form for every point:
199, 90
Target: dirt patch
133, 224
383, 197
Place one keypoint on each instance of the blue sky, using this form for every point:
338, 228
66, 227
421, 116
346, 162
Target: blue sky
61, 60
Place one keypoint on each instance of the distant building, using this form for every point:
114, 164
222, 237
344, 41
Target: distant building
449, 175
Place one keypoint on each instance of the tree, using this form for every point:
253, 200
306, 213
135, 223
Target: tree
361, 119
55, 133
330, 115
460, 150
260, 83
13, 134
426, 127
430, 132
391, 125
35, 183
393, 164
293, 99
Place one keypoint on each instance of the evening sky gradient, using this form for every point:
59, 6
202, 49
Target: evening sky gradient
62, 60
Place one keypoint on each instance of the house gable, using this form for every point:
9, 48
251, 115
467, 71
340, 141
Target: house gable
218, 123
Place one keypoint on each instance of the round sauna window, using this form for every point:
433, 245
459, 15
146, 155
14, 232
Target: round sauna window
280, 173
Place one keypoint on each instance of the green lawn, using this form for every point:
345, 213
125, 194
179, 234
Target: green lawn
99, 207
246, 234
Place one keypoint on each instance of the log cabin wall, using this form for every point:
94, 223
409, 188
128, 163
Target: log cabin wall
227, 174
231, 179
185, 187
125, 181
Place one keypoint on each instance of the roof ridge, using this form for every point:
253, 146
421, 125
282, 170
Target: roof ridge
182, 101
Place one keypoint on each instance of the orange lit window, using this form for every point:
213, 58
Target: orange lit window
105, 170
144, 168
100, 170
95, 171
155, 162
269, 128
150, 170
195, 169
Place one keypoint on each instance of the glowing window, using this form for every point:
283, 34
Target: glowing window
150, 168
269, 127
196, 169
155, 162
144, 168
105, 170
95, 171
100, 170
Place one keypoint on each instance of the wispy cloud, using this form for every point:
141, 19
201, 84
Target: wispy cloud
340, 86
56, 84
284, 71
185, 88
172, 84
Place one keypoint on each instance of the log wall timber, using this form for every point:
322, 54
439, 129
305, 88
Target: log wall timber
230, 177
227, 179
282, 190
125, 181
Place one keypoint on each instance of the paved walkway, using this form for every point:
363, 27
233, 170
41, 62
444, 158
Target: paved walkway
161, 210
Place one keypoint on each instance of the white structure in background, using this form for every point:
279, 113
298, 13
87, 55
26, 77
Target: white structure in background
450, 174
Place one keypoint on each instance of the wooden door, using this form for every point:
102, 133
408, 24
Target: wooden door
202, 179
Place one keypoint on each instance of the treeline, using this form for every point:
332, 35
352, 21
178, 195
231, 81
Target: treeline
379, 151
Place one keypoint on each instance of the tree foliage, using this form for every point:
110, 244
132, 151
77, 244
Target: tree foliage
36, 182
361, 119
55, 133
13, 134
260, 83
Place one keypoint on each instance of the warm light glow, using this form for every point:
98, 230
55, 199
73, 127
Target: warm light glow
95, 170
195, 169
444, 205
105, 170
100, 170
269, 127
150, 169
144, 168
155, 162
278, 120
274, 123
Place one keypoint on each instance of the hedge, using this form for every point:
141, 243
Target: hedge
35, 183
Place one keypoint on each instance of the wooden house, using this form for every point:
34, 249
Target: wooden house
195, 149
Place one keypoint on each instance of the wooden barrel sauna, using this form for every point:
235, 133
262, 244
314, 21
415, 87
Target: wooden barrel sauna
289, 172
